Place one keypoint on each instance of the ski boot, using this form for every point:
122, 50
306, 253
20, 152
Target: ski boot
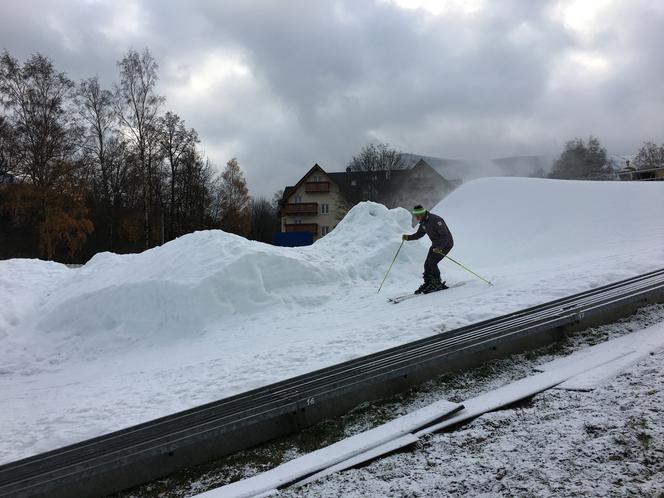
424, 286
434, 286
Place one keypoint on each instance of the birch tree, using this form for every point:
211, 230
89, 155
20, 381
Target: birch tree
137, 108
234, 201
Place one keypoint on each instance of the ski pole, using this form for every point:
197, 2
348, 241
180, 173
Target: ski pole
469, 270
388, 270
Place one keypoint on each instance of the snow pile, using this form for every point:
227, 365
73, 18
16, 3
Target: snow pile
179, 288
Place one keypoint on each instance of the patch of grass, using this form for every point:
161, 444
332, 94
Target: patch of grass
594, 430
644, 439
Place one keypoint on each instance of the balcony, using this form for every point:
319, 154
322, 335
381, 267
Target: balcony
314, 187
301, 227
300, 208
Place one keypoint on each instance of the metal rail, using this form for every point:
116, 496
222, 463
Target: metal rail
131, 456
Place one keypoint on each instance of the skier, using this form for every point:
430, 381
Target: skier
441, 243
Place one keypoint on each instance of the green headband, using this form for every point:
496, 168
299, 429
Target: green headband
419, 212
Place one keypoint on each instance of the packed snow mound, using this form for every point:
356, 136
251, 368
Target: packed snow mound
205, 276
26, 284
499, 221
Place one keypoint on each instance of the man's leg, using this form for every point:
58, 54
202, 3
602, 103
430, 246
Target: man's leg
428, 276
431, 264
432, 272
434, 257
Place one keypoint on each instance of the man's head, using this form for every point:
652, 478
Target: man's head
419, 212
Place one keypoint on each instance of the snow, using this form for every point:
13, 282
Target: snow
128, 338
634, 347
337, 452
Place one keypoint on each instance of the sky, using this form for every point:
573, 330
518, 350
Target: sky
282, 85
83, 349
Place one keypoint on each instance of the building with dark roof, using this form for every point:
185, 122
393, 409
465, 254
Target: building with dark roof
319, 200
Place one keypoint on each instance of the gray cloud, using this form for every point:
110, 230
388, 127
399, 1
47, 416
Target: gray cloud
283, 84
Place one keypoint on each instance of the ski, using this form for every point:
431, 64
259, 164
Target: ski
406, 297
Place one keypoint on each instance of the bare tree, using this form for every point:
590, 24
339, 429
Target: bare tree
373, 166
196, 190
45, 143
176, 142
379, 157
44, 132
137, 106
6, 133
276, 199
264, 221
649, 156
233, 201
104, 150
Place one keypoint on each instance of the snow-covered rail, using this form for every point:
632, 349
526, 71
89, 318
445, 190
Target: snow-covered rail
137, 454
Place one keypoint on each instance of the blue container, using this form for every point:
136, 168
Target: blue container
293, 239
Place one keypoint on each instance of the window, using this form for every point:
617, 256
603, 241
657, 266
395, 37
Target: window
298, 199
298, 221
324, 208
324, 231
316, 178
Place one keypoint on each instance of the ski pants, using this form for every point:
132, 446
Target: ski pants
435, 256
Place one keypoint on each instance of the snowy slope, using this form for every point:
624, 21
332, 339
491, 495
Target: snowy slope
128, 338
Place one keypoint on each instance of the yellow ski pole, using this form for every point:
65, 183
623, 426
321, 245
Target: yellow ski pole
469, 270
388, 270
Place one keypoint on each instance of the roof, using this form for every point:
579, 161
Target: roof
398, 177
288, 191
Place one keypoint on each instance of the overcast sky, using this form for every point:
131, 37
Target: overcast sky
283, 84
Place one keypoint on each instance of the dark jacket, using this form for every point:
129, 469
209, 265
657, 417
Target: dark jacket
434, 226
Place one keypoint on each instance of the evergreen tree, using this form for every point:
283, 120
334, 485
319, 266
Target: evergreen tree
581, 161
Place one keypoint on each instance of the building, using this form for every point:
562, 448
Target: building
630, 173
314, 205
319, 200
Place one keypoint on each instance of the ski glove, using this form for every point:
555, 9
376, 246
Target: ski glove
404, 237
438, 250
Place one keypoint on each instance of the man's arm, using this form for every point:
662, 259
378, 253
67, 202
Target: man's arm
417, 235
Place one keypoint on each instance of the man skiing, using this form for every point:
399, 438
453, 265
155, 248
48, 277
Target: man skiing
441, 243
